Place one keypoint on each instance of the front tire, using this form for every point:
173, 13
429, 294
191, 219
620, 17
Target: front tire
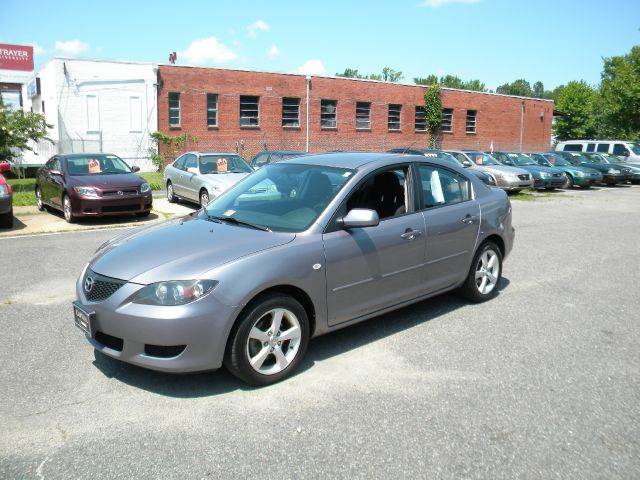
569, 183
66, 210
484, 275
204, 198
39, 202
268, 341
171, 196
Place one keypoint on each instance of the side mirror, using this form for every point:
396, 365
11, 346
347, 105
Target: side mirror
135, 169
5, 167
55, 172
467, 164
359, 218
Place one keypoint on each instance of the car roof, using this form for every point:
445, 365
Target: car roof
347, 160
213, 153
86, 154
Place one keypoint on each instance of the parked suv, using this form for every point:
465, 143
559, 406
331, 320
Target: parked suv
202, 176
90, 185
619, 148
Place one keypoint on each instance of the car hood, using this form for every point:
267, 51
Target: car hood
224, 179
181, 249
120, 180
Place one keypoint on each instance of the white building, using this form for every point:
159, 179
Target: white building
96, 106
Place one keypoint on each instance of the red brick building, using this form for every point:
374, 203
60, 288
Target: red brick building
244, 111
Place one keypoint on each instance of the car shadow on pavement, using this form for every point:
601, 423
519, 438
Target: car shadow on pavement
194, 385
17, 225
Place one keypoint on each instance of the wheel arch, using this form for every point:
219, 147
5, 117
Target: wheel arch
495, 238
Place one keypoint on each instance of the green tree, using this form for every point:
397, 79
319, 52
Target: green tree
451, 81
475, 85
538, 90
518, 87
17, 129
165, 148
433, 112
349, 73
429, 80
391, 75
388, 74
577, 101
619, 101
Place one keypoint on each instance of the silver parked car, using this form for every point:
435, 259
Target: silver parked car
511, 179
203, 176
249, 279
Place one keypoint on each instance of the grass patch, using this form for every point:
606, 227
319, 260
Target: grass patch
154, 179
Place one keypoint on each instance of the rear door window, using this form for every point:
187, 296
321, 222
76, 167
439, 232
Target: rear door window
603, 147
179, 163
191, 162
591, 147
442, 187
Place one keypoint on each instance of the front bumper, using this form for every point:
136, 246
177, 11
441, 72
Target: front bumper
197, 332
511, 185
550, 182
6, 203
119, 205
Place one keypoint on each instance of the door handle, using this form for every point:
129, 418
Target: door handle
410, 234
469, 219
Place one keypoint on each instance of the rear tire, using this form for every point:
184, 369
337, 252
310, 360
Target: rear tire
569, 183
6, 219
143, 214
484, 275
39, 202
171, 196
262, 350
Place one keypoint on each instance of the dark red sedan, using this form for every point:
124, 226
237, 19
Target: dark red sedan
90, 185
6, 198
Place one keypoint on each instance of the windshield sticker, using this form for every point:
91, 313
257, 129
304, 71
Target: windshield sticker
512, 154
228, 213
436, 187
221, 164
575, 154
431, 155
346, 174
94, 166
479, 160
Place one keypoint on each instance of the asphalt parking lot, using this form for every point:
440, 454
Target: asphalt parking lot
542, 382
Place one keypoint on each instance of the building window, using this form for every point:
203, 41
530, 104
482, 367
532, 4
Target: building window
393, 120
135, 114
290, 112
329, 113
447, 120
174, 109
93, 114
212, 109
249, 111
421, 119
363, 115
471, 121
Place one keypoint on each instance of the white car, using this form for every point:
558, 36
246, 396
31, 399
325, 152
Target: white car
202, 176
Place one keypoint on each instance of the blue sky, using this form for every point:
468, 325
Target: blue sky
495, 41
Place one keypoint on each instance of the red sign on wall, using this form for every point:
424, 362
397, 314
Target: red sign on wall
16, 57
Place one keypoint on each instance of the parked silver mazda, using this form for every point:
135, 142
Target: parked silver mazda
295, 250
202, 176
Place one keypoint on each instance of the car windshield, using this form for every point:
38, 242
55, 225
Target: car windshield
521, 159
541, 160
558, 161
284, 197
96, 165
608, 158
485, 159
447, 157
577, 158
223, 164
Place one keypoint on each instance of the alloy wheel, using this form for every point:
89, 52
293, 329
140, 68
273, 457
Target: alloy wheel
66, 206
170, 192
204, 199
487, 272
39, 199
274, 341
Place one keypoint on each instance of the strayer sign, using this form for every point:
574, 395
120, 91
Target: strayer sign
16, 57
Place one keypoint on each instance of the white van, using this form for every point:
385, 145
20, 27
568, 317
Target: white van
621, 148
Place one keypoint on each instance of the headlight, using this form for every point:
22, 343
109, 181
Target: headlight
178, 292
4, 190
613, 171
86, 191
145, 187
579, 174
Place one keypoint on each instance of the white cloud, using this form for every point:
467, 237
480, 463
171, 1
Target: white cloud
258, 26
273, 52
440, 3
38, 50
207, 50
312, 67
71, 47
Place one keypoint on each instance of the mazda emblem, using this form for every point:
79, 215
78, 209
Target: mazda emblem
120, 192
89, 282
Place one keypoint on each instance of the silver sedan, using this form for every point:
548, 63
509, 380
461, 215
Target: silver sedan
248, 280
202, 176
511, 179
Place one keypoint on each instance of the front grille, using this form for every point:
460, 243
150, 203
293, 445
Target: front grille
121, 208
524, 176
557, 174
109, 341
163, 351
116, 193
98, 287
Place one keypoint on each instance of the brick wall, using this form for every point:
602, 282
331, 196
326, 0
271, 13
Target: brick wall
498, 117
